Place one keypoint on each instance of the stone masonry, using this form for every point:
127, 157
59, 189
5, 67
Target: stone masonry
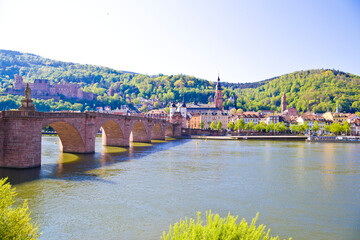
20, 133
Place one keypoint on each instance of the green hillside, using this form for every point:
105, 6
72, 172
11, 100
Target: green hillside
99, 80
316, 90
313, 90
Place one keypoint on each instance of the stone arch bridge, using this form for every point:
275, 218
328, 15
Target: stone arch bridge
20, 133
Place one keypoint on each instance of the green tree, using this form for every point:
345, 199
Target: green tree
257, 127
143, 108
270, 127
230, 125
261, 126
232, 111
202, 124
216, 227
156, 105
294, 128
240, 124
280, 127
15, 222
336, 128
212, 125
315, 128
303, 127
219, 125
346, 128
250, 125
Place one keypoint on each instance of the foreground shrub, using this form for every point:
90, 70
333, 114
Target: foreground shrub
14, 222
217, 228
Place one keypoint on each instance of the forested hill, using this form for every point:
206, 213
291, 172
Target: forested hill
312, 90
316, 90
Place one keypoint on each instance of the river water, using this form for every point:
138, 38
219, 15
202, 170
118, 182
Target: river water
300, 190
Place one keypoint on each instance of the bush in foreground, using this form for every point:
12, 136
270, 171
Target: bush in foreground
217, 228
14, 222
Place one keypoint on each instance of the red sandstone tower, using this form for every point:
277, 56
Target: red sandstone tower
283, 103
218, 96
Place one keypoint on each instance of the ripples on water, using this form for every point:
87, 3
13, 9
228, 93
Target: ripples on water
307, 191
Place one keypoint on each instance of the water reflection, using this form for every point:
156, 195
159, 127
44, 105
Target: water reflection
136, 192
77, 167
328, 166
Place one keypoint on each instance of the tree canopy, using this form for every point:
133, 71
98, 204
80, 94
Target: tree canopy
315, 90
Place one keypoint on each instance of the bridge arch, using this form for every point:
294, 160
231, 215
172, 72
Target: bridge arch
169, 132
70, 138
112, 134
139, 133
157, 132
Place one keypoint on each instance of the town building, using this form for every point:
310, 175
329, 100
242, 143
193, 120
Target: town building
208, 118
158, 114
336, 117
195, 121
352, 117
311, 118
355, 127
247, 117
271, 119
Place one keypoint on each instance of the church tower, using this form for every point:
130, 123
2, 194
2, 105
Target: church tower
218, 96
283, 103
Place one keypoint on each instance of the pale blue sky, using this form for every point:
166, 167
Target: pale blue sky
244, 41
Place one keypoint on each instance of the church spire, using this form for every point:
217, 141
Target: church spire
218, 85
283, 103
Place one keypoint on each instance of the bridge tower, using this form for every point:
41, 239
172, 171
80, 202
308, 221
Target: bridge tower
21, 136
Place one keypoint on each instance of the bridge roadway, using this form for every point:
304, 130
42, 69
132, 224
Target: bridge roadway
20, 133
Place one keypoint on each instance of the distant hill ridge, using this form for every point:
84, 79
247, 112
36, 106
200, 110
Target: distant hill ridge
14, 62
312, 90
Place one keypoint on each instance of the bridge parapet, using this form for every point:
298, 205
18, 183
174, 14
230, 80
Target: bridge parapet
21, 114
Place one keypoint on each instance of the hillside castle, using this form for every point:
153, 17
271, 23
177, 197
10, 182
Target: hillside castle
41, 88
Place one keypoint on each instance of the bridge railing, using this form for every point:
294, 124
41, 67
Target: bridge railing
36, 114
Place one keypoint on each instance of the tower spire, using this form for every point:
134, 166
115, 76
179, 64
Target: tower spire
218, 85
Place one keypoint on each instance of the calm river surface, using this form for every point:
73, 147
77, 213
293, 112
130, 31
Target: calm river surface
303, 190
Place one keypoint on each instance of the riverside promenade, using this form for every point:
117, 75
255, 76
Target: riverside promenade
257, 137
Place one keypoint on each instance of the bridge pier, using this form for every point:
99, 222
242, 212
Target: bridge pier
21, 143
113, 141
142, 138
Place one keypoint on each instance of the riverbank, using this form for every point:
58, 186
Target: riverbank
257, 137
331, 139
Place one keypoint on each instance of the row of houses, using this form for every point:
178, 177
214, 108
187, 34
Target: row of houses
309, 118
194, 120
